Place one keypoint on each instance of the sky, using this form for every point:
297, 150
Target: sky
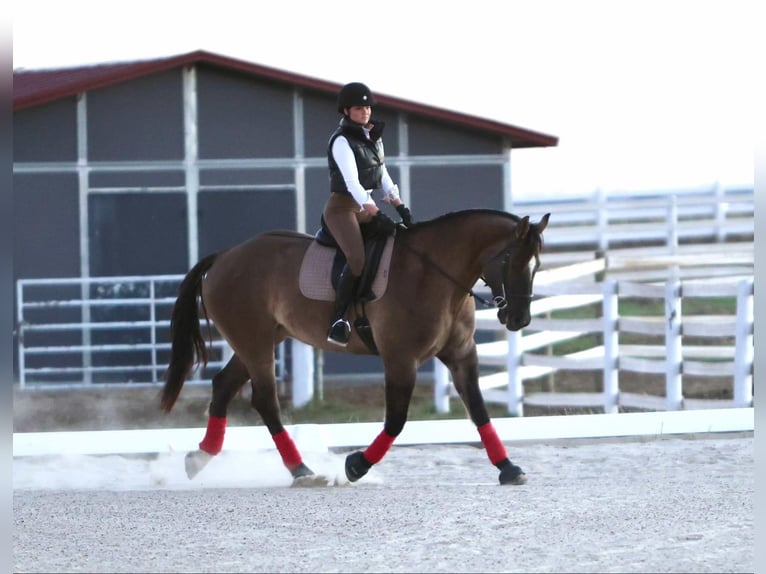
642, 94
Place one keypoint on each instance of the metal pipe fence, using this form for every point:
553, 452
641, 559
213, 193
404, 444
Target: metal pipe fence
78, 332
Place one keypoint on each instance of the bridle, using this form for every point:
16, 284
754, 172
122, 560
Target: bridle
500, 296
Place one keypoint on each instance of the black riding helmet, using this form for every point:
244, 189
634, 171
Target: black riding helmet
354, 94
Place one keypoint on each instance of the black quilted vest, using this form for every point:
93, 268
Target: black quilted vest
367, 152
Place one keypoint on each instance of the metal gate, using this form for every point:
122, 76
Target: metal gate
79, 332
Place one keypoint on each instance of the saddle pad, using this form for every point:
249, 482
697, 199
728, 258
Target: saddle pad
315, 279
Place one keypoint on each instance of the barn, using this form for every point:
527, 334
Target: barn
139, 168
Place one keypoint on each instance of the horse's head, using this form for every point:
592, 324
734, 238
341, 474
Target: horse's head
511, 272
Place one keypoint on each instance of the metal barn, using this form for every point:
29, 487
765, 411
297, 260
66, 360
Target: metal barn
140, 168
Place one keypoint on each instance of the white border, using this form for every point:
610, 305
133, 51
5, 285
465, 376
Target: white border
316, 437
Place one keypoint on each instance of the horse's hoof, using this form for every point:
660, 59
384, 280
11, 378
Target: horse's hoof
195, 461
310, 480
356, 466
301, 470
512, 474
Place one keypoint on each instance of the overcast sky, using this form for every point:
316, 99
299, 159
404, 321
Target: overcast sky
642, 94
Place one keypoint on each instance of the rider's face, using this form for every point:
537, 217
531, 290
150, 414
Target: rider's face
359, 114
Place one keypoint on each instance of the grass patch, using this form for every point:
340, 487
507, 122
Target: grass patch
366, 403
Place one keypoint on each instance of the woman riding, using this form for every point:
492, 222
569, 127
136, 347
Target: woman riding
357, 168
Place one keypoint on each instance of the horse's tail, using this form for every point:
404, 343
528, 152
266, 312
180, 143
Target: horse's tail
188, 345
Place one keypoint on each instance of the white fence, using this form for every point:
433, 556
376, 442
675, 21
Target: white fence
313, 438
669, 217
525, 355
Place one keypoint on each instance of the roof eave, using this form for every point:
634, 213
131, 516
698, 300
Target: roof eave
125, 71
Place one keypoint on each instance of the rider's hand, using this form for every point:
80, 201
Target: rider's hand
405, 214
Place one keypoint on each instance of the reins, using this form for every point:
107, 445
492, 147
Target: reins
471, 292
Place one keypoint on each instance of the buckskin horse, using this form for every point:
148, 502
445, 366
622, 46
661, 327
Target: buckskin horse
251, 293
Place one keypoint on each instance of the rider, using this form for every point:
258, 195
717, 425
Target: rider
356, 161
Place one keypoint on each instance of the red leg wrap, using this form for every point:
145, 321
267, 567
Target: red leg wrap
379, 447
494, 447
287, 449
213, 441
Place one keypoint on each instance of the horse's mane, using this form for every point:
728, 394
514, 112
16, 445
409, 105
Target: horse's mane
451, 216
448, 217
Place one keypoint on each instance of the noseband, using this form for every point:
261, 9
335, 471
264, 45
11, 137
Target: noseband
500, 296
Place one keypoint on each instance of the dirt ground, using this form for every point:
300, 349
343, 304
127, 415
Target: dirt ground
589, 506
663, 505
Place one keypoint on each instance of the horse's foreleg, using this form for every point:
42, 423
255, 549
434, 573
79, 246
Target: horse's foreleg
266, 402
400, 382
226, 384
465, 376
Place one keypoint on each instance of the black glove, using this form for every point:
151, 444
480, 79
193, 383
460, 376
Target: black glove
405, 214
384, 223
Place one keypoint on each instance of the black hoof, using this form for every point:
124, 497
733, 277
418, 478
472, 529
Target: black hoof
356, 466
511, 474
301, 470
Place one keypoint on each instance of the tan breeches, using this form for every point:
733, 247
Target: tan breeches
342, 217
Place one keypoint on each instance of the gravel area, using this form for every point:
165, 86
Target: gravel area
659, 505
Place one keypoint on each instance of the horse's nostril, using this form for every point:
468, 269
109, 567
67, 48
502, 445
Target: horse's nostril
516, 323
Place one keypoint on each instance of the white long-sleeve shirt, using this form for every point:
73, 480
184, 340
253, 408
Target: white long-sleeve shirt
344, 157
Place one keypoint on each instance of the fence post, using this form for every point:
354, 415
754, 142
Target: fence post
20, 332
303, 373
721, 207
515, 382
153, 328
743, 343
441, 387
611, 346
602, 215
674, 398
672, 237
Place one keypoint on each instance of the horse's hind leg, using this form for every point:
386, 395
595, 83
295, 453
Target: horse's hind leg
465, 376
226, 384
266, 402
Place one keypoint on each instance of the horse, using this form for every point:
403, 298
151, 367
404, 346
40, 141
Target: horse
251, 294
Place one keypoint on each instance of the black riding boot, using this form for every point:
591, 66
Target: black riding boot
340, 330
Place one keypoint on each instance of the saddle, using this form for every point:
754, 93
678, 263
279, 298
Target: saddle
324, 261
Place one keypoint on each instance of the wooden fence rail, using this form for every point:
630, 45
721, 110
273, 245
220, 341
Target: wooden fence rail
524, 356
712, 213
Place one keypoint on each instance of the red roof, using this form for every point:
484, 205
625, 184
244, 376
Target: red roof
37, 87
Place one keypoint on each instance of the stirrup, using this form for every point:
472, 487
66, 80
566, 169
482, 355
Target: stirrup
339, 333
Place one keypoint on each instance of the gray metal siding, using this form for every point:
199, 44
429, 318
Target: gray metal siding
243, 118
246, 177
135, 179
227, 218
317, 191
137, 234
428, 137
391, 131
320, 118
46, 133
137, 120
139, 221
438, 190
46, 234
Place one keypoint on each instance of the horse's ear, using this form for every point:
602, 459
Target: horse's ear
543, 223
522, 228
